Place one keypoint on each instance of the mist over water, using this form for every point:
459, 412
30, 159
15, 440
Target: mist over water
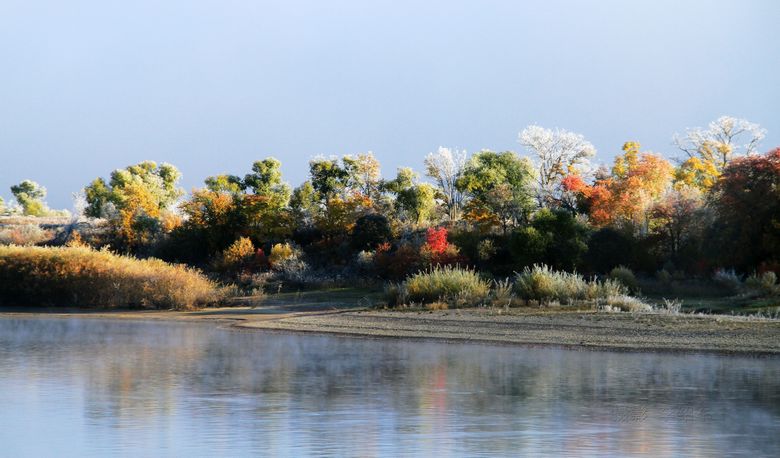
71, 387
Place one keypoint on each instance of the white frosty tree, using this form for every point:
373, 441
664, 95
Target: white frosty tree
556, 153
445, 166
723, 139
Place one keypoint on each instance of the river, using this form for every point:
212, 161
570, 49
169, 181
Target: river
94, 387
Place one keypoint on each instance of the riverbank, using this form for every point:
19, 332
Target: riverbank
351, 315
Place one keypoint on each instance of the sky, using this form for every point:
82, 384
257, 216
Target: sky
212, 86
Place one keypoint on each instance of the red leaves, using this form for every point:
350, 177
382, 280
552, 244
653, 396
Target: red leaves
436, 240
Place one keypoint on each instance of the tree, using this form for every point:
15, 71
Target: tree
626, 197
499, 185
213, 222
723, 139
158, 183
746, 200
558, 153
678, 217
304, 204
231, 184
554, 237
230, 207
413, 201
328, 178
445, 166
136, 200
370, 231
30, 195
364, 174
266, 178
710, 150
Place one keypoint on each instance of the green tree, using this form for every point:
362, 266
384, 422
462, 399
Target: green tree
230, 184
328, 177
554, 237
499, 186
304, 204
158, 184
30, 195
413, 201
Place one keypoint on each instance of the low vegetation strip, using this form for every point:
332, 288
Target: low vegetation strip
83, 277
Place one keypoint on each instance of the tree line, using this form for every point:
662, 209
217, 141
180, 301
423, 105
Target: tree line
716, 206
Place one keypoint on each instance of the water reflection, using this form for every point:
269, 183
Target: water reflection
94, 387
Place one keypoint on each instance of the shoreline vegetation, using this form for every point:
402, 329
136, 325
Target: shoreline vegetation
498, 239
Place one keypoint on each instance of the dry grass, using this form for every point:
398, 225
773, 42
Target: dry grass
461, 287
80, 276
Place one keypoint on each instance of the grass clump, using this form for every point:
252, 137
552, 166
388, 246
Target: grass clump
544, 285
453, 285
80, 276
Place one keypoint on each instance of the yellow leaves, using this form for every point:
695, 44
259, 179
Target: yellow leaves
238, 251
281, 252
696, 173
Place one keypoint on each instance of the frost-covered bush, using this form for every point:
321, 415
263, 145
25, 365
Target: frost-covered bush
626, 277
545, 285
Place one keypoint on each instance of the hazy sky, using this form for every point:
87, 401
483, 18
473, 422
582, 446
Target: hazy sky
211, 86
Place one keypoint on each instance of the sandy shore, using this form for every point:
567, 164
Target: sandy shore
618, 331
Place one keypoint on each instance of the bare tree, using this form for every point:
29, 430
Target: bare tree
445, 166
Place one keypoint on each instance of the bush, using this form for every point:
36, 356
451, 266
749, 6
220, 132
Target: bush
454, 285
625, 303
502, 293
282, 252
80, 276
765, 284
370, 231
239, 252
27, 234
728, 279
625, 277
544, 285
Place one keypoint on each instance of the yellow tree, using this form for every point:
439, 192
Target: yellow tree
627, 196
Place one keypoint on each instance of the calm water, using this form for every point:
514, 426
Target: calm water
94, 387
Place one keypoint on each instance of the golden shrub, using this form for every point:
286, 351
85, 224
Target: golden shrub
81, 276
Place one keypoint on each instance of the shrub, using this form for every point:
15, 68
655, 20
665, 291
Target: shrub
626, 277
27, 234
370, 231
670, 307
728, 279
502, 292
238, 255
282, 252
396, 294
449, 284
79, 276
664, 277
436, 240
765, 284
544, 285
626, 303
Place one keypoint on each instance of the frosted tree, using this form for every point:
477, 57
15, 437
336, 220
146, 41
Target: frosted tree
445, 166
723, 139
556, 154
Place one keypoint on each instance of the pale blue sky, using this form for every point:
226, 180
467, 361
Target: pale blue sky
210, 86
